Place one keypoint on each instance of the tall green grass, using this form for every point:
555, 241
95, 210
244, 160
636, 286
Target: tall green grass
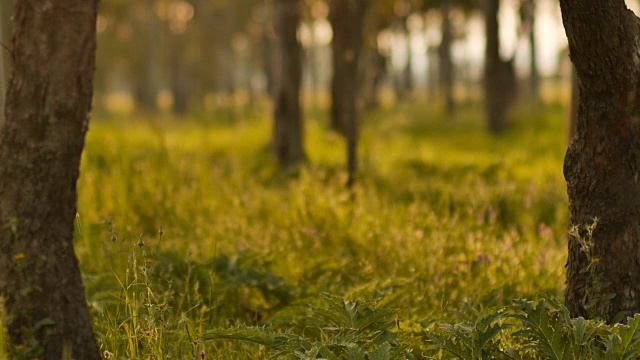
445, 221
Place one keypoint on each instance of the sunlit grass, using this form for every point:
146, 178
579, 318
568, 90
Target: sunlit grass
443, 215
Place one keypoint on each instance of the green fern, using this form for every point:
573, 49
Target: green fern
472, 340
624, 340
338, 330
546, 327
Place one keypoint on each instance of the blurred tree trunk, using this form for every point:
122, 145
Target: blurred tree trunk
528, 22
147, 67
372, 64
287, 76
602, 162
446, 64
373, 73
178, 74
407, 72
48, 105
6, 7
534, 78
499, 76
347, 21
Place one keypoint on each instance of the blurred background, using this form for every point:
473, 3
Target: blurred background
201, 55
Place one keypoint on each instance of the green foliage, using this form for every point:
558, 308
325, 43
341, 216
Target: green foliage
476, 340
339, 329
445, 224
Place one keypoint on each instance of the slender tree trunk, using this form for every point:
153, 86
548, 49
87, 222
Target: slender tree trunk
602, 162
446, 64
347, 20
374, 70
287, 75
179, 77
499, 76
47, 112
146, 65
6, 7
534, 78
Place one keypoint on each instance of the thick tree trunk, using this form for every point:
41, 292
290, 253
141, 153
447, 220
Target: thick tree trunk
347, 20
6, 7
446, 64
499, 75
573, 108
47, 112
287, 75
602, 162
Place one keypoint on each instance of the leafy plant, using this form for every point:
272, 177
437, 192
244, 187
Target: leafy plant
339, 329
473, 341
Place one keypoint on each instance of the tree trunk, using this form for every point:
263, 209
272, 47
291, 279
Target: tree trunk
47, 116
446, 64
373, 72
602, 162
499, 76
6, 7
146, 67
534, 78
178, 74
573, 108
347, 21
287, 75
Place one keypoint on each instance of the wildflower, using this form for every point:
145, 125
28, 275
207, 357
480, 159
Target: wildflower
202, 355
595, 260
18, 256
107, 354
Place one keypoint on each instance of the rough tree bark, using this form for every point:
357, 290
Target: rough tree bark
444, 53
347, 21
286, 76
47, 116
499, 75
573, 108
602, 162
5, 59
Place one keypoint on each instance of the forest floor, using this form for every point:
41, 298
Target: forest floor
188, 225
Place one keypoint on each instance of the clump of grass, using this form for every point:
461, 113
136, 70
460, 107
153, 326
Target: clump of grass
445, 223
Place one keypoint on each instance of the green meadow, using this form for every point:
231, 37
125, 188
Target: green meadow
186, 226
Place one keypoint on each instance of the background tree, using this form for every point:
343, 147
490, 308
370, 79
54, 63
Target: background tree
47, 115
527, 27
287, 78
499, 75
602, 162
444, 55
347, 21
